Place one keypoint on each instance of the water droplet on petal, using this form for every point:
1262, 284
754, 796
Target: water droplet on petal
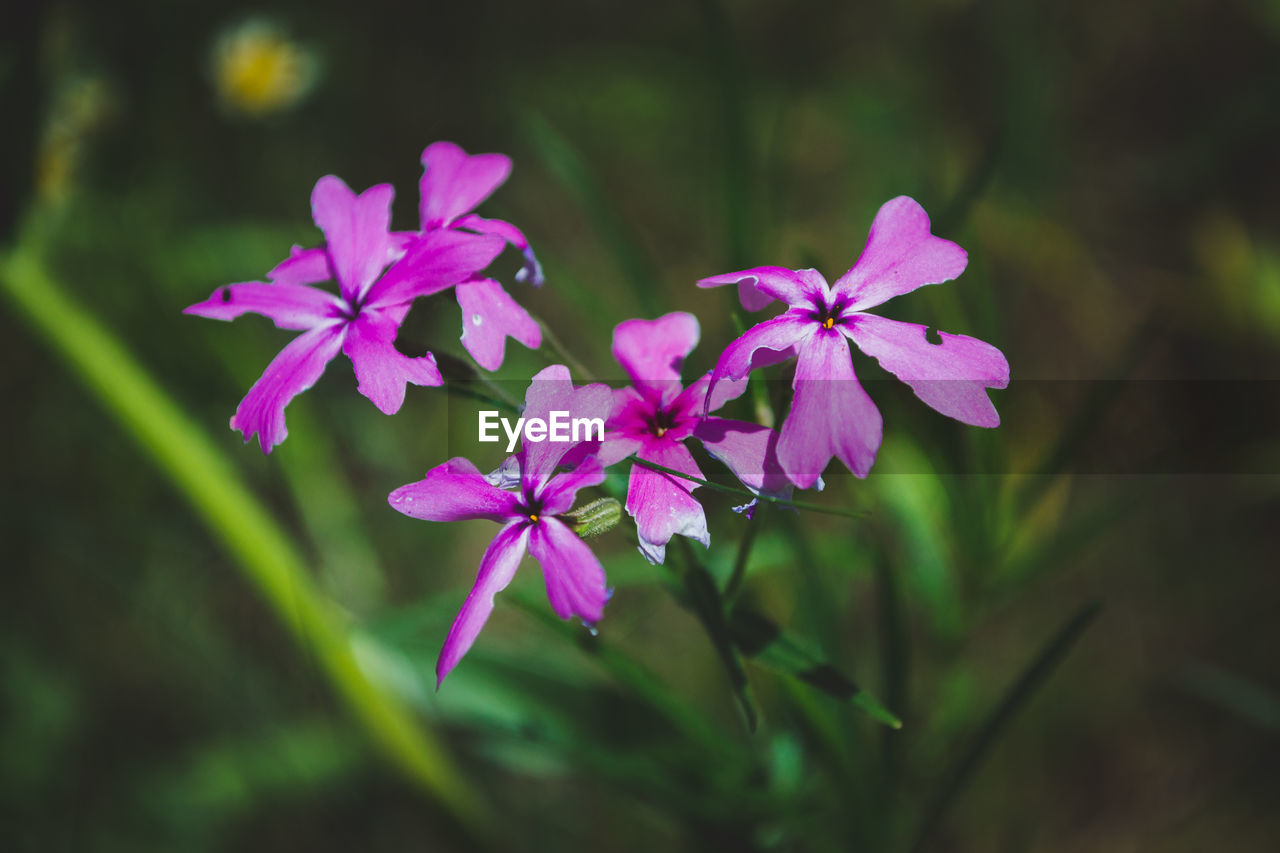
476, 319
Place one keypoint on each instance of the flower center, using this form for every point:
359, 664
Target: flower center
532, 509
660, 422
828, 315
351, 308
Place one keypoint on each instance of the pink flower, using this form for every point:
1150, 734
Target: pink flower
525, 496
652, 419
361, 320
452, 184
831, 414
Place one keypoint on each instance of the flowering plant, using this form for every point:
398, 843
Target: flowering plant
381, 272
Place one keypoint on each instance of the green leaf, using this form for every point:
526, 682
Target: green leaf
205, 477
760, 638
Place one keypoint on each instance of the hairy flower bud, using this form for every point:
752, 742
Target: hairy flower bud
594, 518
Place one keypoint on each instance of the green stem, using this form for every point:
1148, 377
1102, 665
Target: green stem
550, 339
844, 512
460, 390
263, 551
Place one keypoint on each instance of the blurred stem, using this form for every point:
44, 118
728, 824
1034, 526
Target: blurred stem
957, 210
552, 340
817, 597
270, 562
1040, 668
461, 390
721, 487
735, 143
704, 600
893, 660
1102, 394
569, 168
459, 374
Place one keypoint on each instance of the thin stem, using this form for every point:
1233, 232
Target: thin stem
844, 512
457, 372
550, 339
460, 390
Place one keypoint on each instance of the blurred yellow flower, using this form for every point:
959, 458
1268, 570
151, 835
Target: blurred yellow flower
258, 70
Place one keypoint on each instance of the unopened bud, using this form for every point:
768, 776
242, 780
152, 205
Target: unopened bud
594, 518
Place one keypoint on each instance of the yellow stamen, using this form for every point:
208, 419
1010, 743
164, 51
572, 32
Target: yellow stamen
533, 517
662, 431
829, 322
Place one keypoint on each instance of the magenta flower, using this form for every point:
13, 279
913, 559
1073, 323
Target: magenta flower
525, 496
831, 414
452, 184
652, 419
361, 320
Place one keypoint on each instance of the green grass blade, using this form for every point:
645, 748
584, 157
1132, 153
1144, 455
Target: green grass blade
736, 134
562, 161
269, 560
1041, 667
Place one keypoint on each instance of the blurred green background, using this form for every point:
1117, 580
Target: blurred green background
1074, 616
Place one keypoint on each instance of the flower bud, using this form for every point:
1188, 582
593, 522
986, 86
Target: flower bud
594, 518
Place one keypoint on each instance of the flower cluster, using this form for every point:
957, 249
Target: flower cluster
381, 272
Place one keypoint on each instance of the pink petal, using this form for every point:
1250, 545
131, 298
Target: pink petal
751, 298
901, 255
455, 491
497, 568
831, 414
433, 262
552, 391
759, 286
631, 412
489, 317
651, 351
380, 368
355, 229
453, 182
562, 490
293, 371
303, 266
748, 450
766, 343
617, 447
951, 377
575, 579
661, 503
291, 306
693, 399
531, 272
